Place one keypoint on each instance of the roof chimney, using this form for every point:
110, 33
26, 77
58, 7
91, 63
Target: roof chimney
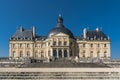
84, 33
34, 31
21, 29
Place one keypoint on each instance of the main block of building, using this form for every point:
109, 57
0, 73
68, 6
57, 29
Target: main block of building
59, 43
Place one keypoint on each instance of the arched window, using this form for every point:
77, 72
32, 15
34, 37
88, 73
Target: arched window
60, 53
49, 53
98, 45
13, 54
91, 45
28, 54
13, 46
28, 45
84, 45
91, 54
59, 43
54, 53
83, 53
54, 43
105, 45
42, 54
105, 54
21, 54
36, 55
20, 45
65, 53
65, 43
98, 54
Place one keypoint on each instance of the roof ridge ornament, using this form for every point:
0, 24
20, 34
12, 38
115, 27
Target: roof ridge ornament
60, 15
60, 19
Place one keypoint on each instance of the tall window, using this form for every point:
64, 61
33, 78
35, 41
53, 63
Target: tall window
65, 42
13, 54
49, 53
54, 43
28, 54
84, 45
21, 54
98, 54
105, 54
28, 45
20, 45
13, 46
98, 45
91, 45
60, 43
36, 55
42, 54
91, 54
105, 45
35, 45
83, 53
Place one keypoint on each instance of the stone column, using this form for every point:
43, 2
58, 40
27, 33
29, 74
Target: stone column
57, 53
68, 53
51, 52
62, 52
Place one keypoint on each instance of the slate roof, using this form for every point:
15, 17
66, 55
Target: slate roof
23, 34
41, 37
96, 35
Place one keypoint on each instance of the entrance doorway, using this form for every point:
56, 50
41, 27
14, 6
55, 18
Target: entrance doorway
60, 53
65, 53
55, 53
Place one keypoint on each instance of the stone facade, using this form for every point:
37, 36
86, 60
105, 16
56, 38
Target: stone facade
59, 43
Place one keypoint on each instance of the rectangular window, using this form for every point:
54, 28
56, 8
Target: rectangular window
35, 45
28, 45
105, 45
28, 54
13, 46
91, 45
13, 54
20, 45
84, 45
54, 43
65, 42
98, 45
60, 43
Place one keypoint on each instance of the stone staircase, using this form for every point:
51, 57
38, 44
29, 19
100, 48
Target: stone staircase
59, 76
62, 63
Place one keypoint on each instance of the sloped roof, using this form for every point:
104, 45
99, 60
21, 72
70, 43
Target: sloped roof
96, 34
23, 34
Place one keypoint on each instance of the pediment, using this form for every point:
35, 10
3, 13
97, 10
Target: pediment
61, 34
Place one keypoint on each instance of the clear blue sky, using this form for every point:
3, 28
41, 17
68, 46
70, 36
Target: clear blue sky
76, 13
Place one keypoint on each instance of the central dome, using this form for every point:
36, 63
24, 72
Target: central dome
60, 28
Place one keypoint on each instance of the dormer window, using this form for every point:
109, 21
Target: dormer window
98, 45
84, 45
91, 45
20, 45
105, 45
54, 43
28, 45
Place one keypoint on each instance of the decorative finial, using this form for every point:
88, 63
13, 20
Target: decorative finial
60, 15
60, 19
97, 29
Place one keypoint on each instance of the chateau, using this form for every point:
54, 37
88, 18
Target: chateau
59, 43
